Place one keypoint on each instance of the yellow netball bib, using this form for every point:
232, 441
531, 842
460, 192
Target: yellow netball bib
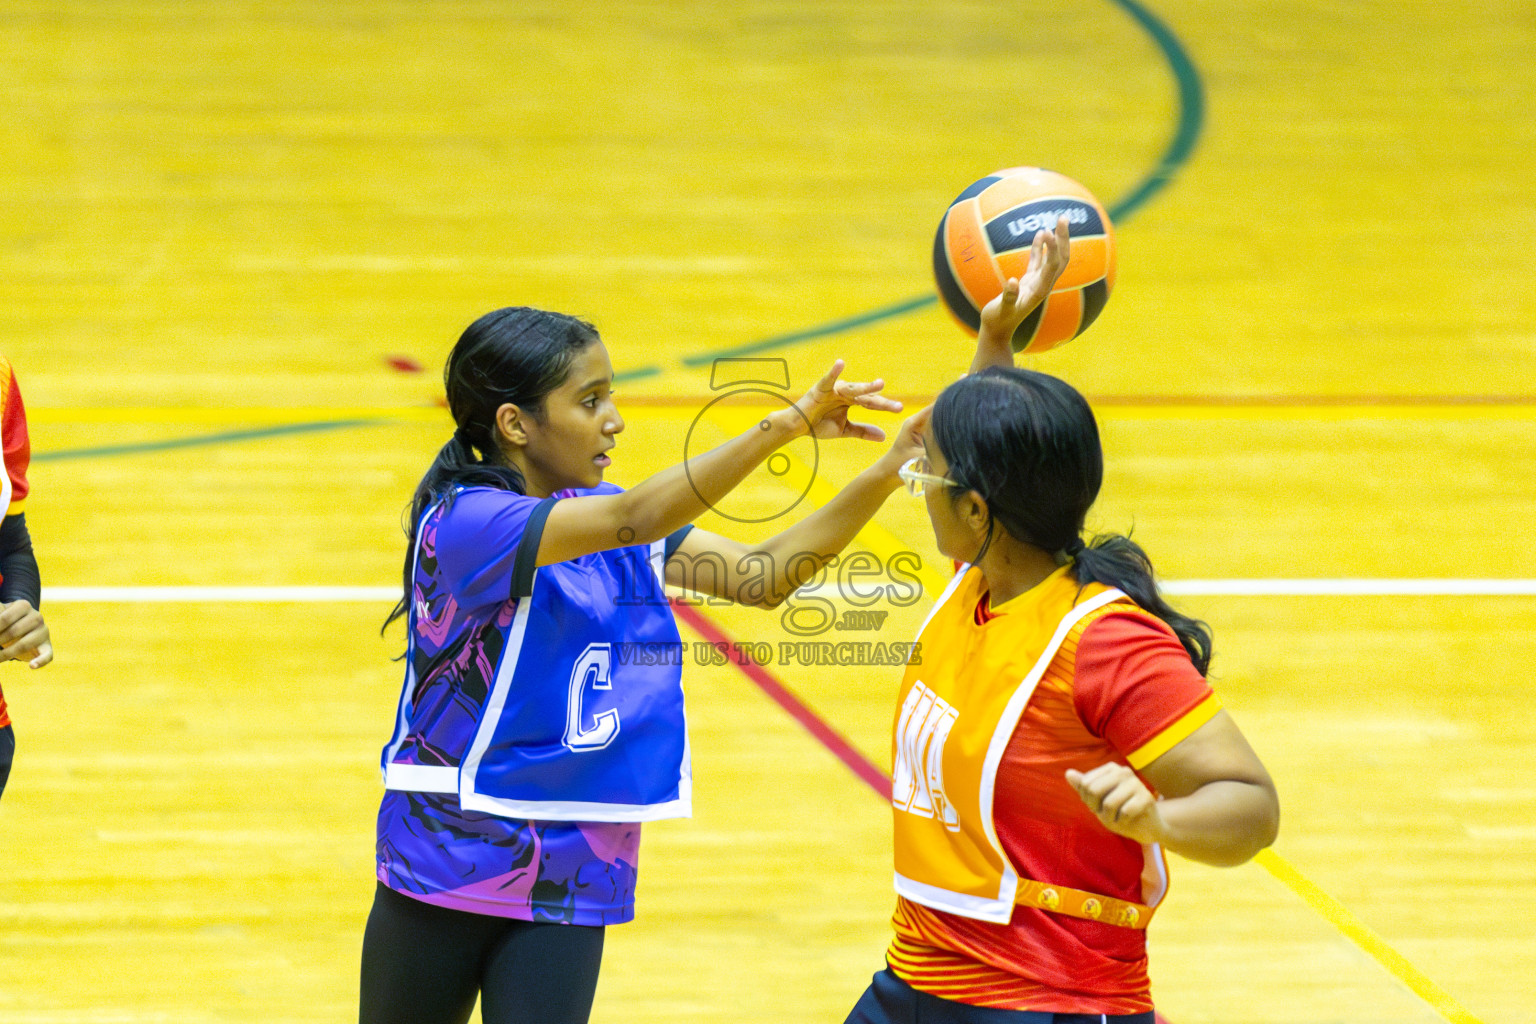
957, 711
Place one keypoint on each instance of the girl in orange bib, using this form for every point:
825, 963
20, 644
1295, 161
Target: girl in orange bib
1059, 733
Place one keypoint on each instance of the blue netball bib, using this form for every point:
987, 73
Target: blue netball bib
584, 720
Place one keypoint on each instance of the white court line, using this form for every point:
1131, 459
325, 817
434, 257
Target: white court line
217, 595
1176, 588
1349, 588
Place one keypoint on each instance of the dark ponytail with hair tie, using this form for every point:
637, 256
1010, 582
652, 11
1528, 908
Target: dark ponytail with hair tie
461, 435
1027, 442
1070, 551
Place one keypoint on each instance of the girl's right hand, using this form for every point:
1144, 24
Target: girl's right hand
825, 406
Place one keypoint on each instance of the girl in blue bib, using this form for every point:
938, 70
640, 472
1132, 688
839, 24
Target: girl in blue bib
541, 718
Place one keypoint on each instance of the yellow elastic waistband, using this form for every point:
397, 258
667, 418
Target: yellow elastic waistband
1059, 899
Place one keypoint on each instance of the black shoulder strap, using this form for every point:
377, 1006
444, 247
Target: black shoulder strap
675, 541
523, 566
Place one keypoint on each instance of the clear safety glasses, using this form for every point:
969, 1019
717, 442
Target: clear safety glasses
917, 474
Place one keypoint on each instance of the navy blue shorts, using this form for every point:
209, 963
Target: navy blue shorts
889, 1000
7, 751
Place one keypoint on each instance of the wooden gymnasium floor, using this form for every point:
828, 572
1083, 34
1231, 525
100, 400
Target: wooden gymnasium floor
220, 218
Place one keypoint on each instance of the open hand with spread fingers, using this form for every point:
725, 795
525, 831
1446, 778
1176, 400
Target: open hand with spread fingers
1049, 255
825, 406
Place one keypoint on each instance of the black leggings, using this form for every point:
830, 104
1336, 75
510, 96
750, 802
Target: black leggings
7, 751
425, 965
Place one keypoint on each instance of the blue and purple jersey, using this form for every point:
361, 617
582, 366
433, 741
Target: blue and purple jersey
512, 779
551, 871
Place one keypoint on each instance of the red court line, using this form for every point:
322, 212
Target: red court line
404, 363
781, 695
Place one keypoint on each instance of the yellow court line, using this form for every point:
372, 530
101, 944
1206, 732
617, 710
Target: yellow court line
883, 543
1105, 411
1352, 928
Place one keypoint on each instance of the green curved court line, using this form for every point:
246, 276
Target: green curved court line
1191, 112
1186, 133
223, 437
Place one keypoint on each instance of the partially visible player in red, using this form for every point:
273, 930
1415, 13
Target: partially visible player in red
1058, 734
23, 634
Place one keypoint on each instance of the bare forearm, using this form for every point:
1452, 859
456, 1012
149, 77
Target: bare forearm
799, 552
674, 497
1220, 806
1222, 823
991, 351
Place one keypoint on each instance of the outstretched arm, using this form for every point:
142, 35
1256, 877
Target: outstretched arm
792, 557
676, 496
1218, 804
1048, 257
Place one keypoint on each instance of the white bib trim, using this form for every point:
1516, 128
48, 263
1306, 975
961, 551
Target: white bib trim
551, 810
422, 778
977, 907
408, 690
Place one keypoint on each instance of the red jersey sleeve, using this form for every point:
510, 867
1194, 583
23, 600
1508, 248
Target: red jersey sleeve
13, 439
1136, 688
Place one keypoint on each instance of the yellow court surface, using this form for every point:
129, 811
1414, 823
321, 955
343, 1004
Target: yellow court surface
230, 230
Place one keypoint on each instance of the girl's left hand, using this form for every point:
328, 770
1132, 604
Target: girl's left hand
825, 406
907, 444
1049, 255
1122, 802
24, 635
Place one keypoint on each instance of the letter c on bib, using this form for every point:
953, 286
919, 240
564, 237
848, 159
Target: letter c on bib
592, 668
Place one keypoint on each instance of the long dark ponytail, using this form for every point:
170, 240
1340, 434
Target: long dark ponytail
1027, 442
516, 355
